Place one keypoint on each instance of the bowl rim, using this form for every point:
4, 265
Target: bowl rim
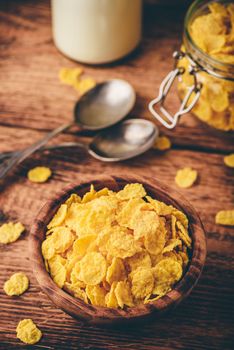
96, 314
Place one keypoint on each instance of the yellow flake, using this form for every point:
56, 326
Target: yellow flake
142, 282
10, 232
229, 160
28, 332
141, 259
92, 268
59, 217
17, 284
84, 85
131, 191
39, 174
74, 198
225, 217
123, 294
110, 299
116, 271
185, 177
70, 76
166, 273
96, 295
162, 143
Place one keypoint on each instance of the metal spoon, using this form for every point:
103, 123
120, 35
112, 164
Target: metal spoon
126, 140
104, 105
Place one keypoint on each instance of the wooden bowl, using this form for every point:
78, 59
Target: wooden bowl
101, 315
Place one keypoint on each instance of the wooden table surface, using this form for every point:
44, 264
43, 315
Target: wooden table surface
32, 102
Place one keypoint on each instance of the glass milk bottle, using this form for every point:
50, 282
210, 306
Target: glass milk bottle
96, 31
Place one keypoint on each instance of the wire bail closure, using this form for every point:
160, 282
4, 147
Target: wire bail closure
168, 120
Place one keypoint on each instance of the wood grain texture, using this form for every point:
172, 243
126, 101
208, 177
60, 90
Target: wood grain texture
142, 313
33, 101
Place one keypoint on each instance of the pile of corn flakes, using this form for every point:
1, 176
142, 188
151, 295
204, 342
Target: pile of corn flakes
117, 249
213, 32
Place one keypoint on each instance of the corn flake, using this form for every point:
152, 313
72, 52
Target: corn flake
167, 272
17, 284
59, 217
70, 76
39, 174
162, 143
225, 217
84, 85
229, 160
142, 282
28, 332
10, 232
185, 177
96, 295
92, 268
123, 294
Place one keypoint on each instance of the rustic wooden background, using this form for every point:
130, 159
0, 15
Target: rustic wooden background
32, 102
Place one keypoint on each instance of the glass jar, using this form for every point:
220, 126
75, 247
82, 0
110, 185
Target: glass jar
96, 31
205, 84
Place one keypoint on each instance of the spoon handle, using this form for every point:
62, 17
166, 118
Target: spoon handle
18, 158
10, 154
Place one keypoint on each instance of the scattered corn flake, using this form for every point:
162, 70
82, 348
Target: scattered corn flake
70, 76
17, 284
112, 249
84, 85
28, 332
10, 232
162, 143
185, 177
39, 174
229, 160
225, 217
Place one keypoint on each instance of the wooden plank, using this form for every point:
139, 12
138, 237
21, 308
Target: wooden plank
32, 96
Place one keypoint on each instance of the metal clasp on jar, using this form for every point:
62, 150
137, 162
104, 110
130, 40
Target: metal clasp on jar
168, 120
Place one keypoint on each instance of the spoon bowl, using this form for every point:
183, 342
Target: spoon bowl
104, 105
124, 141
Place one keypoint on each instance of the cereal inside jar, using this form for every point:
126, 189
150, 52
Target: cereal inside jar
204, 68
208, 47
